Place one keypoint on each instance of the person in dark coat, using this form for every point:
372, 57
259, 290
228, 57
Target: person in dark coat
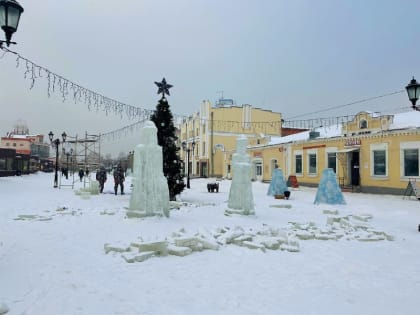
119, 179
81, 174
101, 178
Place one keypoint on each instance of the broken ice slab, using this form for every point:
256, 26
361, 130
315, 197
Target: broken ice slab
290, 248
325, 237
26, 217
362, 217
304, 235
334, 212
191, 242
239, 240
332, 219
106, 212
116, 248
252, 245
208, 243
281, 206
229, 236
272, 243
159, 247
179, 250
137, 257
387, 236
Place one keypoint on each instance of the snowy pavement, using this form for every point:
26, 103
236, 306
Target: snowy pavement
53, 261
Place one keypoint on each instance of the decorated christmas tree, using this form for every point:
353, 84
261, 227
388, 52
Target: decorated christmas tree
172, 164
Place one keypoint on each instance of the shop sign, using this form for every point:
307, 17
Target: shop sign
258, 154
352, 142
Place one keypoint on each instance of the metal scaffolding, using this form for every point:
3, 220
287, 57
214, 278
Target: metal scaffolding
85, 155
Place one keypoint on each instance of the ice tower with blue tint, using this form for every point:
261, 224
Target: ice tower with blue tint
278, 185
328, 190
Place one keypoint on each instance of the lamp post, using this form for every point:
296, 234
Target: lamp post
187, 149
10, 11
413, 91
56, 142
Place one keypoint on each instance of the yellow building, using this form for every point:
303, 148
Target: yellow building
371, 153
210, 135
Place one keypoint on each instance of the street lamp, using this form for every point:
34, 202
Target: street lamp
56, 142
187, 149
413, 91
10, 11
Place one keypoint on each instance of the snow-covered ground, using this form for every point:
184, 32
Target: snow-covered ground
52, 257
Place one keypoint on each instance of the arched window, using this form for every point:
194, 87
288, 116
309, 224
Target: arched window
363, 124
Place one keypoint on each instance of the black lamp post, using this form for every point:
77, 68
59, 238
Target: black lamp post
413, 91
187, 149
10, 11
56, 142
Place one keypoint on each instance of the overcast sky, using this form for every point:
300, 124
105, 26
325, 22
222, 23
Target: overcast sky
292, 57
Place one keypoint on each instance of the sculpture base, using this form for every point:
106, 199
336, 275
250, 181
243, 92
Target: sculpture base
140, 214
239, 211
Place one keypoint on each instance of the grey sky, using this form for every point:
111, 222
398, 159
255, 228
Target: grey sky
293, 57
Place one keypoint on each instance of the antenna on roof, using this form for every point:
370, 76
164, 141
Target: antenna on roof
221, 92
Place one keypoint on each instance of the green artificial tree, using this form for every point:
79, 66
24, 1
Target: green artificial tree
172, 164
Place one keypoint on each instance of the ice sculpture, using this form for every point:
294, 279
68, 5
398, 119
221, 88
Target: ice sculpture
241, 200
278, 185
150, 193
328, 190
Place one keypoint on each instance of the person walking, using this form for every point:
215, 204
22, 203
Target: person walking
81, 174
119, 179
101, 178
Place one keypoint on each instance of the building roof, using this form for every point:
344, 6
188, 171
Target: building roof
406, 120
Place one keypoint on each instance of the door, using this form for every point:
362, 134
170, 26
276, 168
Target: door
355, 168
258, 170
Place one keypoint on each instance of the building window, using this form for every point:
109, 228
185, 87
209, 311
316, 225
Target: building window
14, 144
379, 163
363, 124
332, 161
273, 165
312, 163
298, 163
203, 150
411, 162
379, 160
409, 159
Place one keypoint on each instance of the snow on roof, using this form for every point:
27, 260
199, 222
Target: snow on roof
324, 132
406, 120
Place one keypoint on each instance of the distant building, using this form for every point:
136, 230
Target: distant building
214, 130
29, 150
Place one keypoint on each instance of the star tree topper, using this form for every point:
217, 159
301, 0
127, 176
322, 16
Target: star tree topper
163, 87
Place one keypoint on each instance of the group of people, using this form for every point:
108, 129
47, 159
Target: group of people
119, 178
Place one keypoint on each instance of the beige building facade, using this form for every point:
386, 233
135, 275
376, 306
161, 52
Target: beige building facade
371, 153
210, 135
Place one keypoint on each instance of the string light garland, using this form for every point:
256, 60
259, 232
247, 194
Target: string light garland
68, 89
79, 94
